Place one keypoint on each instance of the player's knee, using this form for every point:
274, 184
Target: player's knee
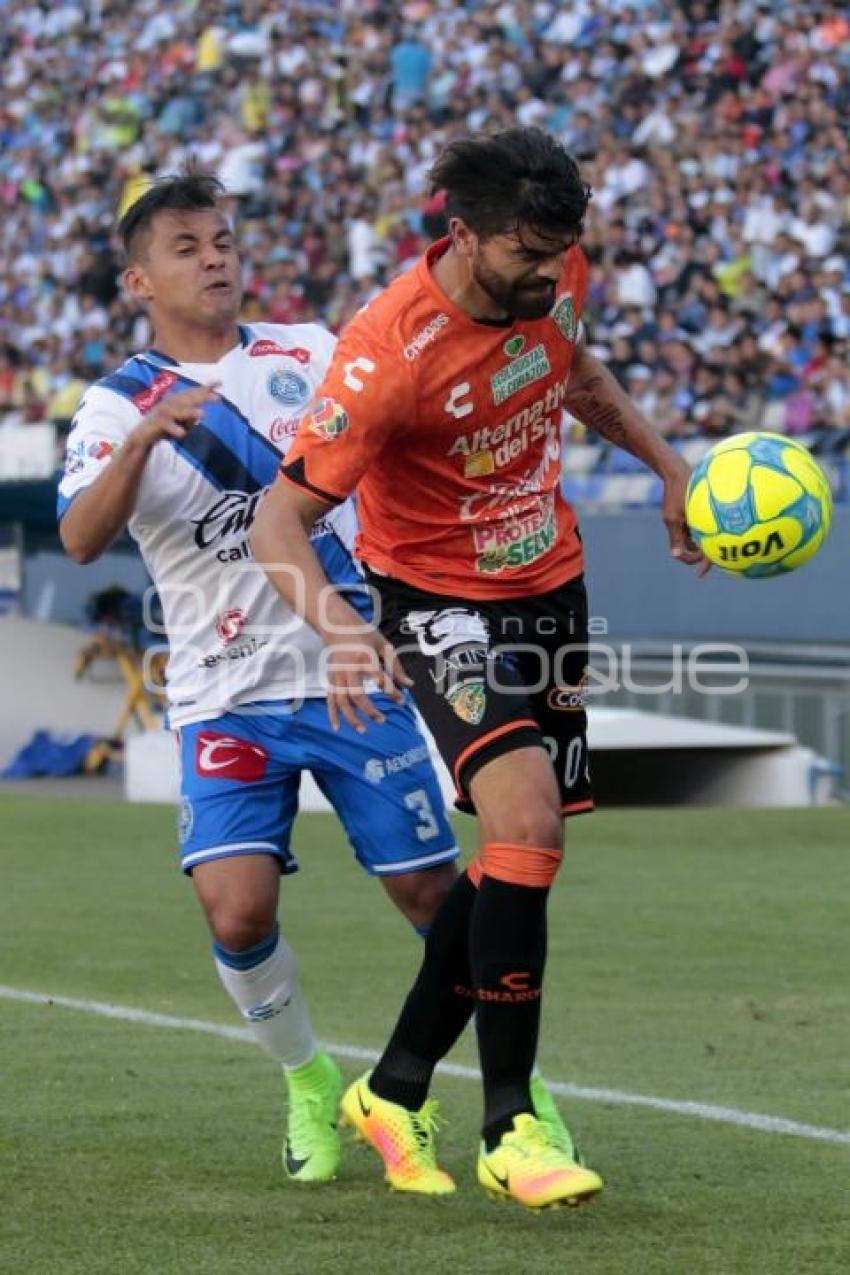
534, 823
238, 929
420, 895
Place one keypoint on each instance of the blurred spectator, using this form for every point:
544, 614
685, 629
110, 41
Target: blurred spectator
715, 135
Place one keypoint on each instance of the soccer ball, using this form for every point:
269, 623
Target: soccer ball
758, 505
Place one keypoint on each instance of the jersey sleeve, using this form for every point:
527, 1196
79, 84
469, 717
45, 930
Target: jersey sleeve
365, 398
101, 424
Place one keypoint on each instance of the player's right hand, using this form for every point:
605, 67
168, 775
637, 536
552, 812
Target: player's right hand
352, 661
175, 415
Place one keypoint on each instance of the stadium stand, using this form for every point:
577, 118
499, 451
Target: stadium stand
715, 136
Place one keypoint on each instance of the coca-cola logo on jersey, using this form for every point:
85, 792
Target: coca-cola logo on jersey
283, 427
231, 515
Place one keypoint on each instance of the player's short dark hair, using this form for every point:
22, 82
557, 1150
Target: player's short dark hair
193, 189
521, 176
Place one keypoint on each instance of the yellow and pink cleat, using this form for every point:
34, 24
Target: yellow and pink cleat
403, 1139
527, 1166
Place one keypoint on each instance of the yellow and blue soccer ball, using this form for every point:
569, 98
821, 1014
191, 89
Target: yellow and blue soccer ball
758, 505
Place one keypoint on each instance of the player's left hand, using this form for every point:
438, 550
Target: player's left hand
683, 547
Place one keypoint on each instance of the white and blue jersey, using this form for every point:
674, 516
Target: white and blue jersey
245, 676
229, 634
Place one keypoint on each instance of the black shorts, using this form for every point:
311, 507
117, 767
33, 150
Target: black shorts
490, 677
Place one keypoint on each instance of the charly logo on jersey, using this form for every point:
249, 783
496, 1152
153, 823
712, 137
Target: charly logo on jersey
231, 624
328, 419
565, 318
459, 403
287, 388
524, 370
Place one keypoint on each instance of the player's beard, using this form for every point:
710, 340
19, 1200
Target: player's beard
526, 300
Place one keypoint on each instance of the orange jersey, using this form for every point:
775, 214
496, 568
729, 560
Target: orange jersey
449, 430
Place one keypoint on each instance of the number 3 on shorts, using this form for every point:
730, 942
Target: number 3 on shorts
419, 801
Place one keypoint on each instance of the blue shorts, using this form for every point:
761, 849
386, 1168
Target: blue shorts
241, 772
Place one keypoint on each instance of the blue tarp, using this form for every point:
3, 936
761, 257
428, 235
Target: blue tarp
48, 754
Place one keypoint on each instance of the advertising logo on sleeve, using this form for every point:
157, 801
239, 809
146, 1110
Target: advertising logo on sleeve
102, 448
223, 756
565, 318
328, 419
75, 459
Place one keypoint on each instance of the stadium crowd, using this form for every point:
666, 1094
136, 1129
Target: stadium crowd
715, 136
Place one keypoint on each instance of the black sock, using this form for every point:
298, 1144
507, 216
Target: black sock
507, 958
438, 1006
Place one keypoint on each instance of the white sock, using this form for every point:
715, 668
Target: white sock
263, 983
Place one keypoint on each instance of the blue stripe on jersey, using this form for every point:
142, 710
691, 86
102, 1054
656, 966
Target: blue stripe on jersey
340, 568
230, 454
204, 451
125, 385
63, 504
257, 455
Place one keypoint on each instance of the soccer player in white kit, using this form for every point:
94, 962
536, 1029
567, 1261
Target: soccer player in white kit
178, 446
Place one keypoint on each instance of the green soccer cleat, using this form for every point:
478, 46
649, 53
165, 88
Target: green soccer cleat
311, 1149
549, 1115
526, 1167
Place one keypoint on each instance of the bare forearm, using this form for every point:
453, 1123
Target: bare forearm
281, 544
596, 399
101, 512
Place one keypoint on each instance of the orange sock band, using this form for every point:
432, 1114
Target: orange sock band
475, 871
520, 864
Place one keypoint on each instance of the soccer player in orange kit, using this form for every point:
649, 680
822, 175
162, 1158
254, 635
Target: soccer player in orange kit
442, 408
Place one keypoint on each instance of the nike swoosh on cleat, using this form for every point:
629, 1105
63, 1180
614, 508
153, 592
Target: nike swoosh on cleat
504, 1182
293, 1164
367, 1111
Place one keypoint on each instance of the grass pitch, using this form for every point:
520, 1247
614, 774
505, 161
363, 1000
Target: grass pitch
694, 955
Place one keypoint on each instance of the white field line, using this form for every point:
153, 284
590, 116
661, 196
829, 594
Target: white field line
579, 1093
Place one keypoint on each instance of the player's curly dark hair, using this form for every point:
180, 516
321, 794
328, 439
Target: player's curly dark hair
190, 190
521, 176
